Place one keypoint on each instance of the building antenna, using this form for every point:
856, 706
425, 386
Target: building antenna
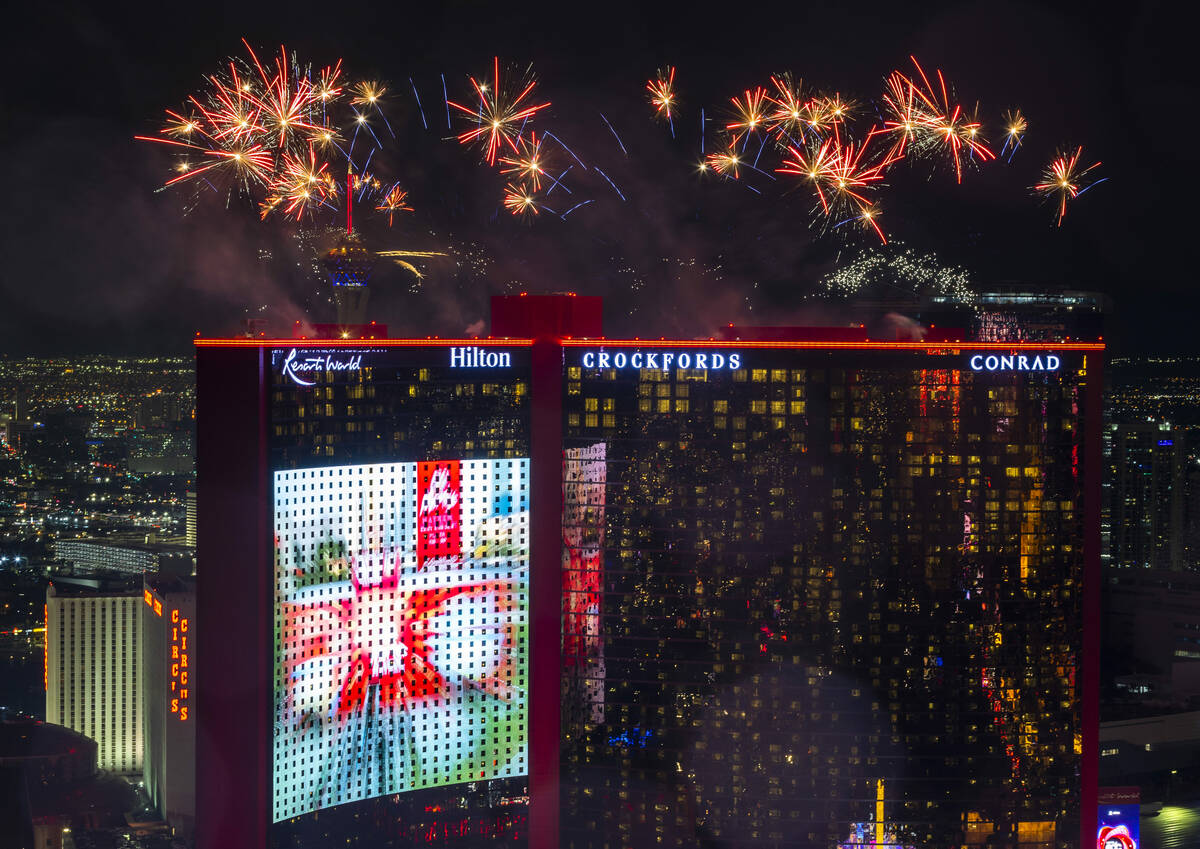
349, 198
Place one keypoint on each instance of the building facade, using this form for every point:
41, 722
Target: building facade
94, 682
1145, 519
698, 593
189, 534
128, 557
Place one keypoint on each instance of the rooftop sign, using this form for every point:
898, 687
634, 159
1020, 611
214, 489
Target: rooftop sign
663, 360
302, 367
1014, 362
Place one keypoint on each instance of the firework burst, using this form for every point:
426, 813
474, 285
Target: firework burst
1015, 126
827, 113
498, 117
529, 163
958, 135
285, 101
750, 112
368, 94
841, 176
662, 93
911, 118
727, 162
273, 132
519, 200
301, 185
393, 201
899, 268
1063, 180
789, 112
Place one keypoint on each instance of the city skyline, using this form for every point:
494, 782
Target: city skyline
346, 497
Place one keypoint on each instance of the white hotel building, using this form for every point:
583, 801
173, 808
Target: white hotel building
93, 680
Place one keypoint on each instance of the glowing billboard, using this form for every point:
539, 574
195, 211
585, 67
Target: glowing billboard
401, 629
1119, 827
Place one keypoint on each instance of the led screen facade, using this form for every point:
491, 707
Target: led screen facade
401, 628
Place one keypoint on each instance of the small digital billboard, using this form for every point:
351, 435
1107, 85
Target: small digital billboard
585, 473
1119, 827
401, 629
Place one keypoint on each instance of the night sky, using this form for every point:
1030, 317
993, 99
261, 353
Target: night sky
97, 260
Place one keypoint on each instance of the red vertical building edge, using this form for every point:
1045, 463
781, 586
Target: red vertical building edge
1089, 666
233, 779
545, 650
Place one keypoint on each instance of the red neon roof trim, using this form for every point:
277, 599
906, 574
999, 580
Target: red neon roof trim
241, 342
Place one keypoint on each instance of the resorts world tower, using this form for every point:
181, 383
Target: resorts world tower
550, 589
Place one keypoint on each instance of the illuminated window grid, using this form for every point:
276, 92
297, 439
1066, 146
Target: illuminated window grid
467, 721
959, 443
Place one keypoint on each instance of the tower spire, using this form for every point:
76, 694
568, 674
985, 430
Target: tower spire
349, 198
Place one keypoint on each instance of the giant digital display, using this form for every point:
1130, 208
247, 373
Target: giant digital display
401, 629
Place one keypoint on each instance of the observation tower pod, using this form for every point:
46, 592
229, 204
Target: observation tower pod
349, 265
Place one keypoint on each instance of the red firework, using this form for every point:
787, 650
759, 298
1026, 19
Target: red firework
662, 92
519, 200
1064, 180
751, 111
498, 118
528, 163
957, 133
840, 174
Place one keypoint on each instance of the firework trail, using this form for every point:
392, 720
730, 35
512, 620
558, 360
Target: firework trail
563, 145
610, 182
1063, 180
615, 136
424, 123
575, 207
499, 117
446, 100
557, 182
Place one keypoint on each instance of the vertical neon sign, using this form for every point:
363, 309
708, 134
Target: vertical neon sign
180, 698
